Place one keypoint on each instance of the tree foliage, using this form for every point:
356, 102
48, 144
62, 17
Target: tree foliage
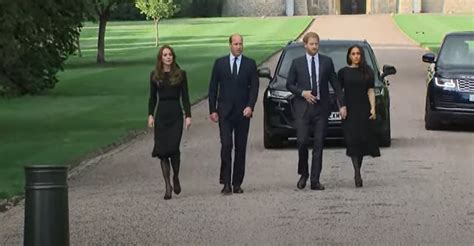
200, 8
36, 38
126, 11
157, 10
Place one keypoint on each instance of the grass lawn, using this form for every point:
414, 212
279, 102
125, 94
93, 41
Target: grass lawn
95, 105
429, 29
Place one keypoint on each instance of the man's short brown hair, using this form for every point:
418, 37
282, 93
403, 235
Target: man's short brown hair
309, 35
235, 34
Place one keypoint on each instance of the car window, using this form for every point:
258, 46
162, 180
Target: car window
457, 51
288, 57
336, 52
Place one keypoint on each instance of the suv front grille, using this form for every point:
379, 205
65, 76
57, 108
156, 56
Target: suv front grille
466, 85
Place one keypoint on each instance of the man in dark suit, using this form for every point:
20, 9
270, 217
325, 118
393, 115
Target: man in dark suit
308, 81
233, 92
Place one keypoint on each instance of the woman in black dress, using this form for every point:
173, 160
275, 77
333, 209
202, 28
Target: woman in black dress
168, 90
357, 80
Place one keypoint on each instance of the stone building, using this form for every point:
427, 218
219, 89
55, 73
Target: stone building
335, 7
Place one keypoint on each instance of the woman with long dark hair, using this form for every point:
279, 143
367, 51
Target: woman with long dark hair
168, 97
357, 80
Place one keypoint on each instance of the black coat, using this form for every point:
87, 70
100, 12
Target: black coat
227, 94
299, 80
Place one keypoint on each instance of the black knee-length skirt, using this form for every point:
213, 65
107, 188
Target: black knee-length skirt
168, 129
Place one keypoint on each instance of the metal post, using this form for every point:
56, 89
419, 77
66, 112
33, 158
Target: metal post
46, 206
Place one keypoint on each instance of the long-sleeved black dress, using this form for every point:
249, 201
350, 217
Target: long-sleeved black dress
167, 99
359, 131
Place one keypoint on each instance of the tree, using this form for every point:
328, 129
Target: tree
126, 11
103, 8
157, 10
200, 8
78, 44
36, 38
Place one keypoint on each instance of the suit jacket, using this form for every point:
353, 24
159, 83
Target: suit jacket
227, 94
299, 80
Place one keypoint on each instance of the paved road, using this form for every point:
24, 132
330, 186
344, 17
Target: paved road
419, 192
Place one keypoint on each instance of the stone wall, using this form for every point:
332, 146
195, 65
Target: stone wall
382, 6
254, 8
458, 6
322, 8
432, 6
301, 7
405, 6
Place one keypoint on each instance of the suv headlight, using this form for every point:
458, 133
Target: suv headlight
278, 94
446, 83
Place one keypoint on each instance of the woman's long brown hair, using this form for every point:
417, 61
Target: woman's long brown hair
175, 73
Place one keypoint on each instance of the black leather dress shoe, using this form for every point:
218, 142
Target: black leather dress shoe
302, 182
227, 190
317, 186
238, 190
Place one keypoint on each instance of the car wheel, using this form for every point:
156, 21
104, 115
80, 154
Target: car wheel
386, 137
270, 141
431, 123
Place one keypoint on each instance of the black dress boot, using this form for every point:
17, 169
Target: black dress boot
165, 167
175, 162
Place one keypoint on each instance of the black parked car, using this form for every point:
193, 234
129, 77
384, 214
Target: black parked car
278, 119
450, 81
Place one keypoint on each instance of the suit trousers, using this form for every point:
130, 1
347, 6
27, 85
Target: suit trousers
234, 130
314, 121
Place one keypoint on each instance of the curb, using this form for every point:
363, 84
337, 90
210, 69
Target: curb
307, 28
78, 164
296, 39
406, 35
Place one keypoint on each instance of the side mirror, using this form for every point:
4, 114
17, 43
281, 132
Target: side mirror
429, 58
388, 70
264, 72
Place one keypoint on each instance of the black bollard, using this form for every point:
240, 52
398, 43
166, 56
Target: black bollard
46, 206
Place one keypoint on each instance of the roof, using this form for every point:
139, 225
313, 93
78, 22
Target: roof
465, 33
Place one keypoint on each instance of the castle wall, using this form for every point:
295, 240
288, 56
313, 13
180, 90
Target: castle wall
458, 6
254, 8
325, 7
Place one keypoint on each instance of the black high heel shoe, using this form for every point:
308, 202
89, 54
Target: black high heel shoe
177, 185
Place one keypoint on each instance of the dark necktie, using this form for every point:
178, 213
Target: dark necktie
313, 77
234, 68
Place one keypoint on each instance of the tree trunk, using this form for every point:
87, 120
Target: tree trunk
101, 40
156, 32
79, 46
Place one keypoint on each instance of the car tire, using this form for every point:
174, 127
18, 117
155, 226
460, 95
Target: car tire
270, 141
386, 136
431, 123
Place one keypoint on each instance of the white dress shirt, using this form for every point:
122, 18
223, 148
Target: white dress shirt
316, 63
231, 59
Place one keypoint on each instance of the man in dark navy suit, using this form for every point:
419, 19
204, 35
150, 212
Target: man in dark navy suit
233, 92
308, 80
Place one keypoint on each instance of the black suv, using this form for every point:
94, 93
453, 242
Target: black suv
278, 119
450, 81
